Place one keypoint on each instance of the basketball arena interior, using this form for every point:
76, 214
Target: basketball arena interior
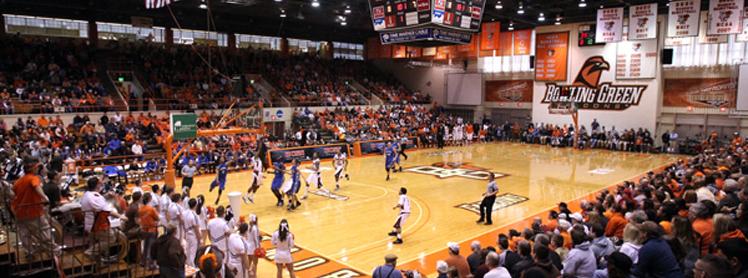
374, 138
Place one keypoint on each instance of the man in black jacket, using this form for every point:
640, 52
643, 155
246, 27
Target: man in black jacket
169, 254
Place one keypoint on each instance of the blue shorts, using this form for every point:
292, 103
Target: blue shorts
295, 186
220, 183
277, 183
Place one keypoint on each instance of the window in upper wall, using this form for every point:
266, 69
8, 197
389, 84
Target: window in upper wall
197, 37
257, 42
127, 32
45, 26
510, 63
302, 46
688, 52
350, 51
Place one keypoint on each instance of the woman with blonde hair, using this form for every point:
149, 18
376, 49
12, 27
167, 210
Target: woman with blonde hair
725, 228
253, 243
632, 241
283, 242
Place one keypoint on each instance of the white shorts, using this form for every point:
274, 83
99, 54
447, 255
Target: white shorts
257, 177
283, 257
458, 137
470, 137
400, 221
339, 171
313, 179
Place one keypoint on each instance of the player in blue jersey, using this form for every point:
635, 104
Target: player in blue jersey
220, 180
293, 200
396, 149
280, 172
389, 158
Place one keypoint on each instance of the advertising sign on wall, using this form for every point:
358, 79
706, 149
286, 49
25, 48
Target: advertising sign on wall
725, 17
643, 22
636, 59
552, 54
508, 91
306, 153
590, 94
609, 25
683, 18
700, 92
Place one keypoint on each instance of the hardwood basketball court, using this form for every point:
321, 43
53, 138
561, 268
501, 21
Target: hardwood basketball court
444, 187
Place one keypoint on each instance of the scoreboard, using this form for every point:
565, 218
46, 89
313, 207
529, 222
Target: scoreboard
464, 15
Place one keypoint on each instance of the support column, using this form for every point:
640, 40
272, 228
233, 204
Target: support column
284, 46
2, 25
231, 41
168, 37
93, 33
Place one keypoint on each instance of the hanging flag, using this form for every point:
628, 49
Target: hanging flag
609, 25
683, 18
552, 56
489, 36
643, 22
725, 16
155, 4
743, 36
522, 42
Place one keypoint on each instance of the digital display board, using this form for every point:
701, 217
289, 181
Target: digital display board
397, 14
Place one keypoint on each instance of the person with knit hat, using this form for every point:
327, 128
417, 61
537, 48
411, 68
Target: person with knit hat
387, 270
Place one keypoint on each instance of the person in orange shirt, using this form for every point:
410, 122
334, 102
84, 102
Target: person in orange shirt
149, 219
28, 206
701, 222
42, 121
616, 224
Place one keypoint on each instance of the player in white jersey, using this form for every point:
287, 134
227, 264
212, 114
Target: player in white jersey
340, 162
315, 177
458, 135
256, 163
403, 204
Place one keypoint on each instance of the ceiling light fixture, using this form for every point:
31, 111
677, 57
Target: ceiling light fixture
499, 5
511, 26
203, 5
315, 3
558, 19
521, 8
347, 10
283, 13
582, 4
278, 1
343, 23
541, 17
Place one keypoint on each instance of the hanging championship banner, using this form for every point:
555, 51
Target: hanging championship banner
609, 25
522, 42
489, 36
643, 22
505, 42
725, 16
705, 38
552, 52
683, 18
636, 59
399, 51
743, 36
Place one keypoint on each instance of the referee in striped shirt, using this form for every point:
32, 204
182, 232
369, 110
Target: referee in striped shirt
489, 197
188, 172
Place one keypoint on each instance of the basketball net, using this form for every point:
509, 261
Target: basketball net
567, 108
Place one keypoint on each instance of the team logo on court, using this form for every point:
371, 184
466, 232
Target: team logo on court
502, 201
455, 169
588, 93
330, 195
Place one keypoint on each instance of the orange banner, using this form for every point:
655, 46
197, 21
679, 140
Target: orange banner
509, 90
399, 52
470, 48
445, 52
552, 54
489, 36
700, 92
522, 42
505, 44
372, 48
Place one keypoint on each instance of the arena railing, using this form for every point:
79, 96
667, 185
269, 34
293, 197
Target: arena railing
60, 246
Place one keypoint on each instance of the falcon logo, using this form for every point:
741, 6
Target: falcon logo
642, 22
588, 93
682, 19
609, 25
725, 15
455, 169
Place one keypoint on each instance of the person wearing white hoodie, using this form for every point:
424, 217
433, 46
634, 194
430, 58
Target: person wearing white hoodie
581, 260
632, 242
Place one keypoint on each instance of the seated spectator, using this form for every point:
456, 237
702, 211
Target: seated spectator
734, 251
712, 266
496, 271
581, 260
387, 270
543, 263
474, 259
457, 261
655, 257
619, 266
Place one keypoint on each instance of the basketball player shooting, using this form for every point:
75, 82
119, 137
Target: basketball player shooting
256, 179
403, 204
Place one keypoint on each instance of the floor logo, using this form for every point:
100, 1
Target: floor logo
502, 201
330, 195
455, 169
